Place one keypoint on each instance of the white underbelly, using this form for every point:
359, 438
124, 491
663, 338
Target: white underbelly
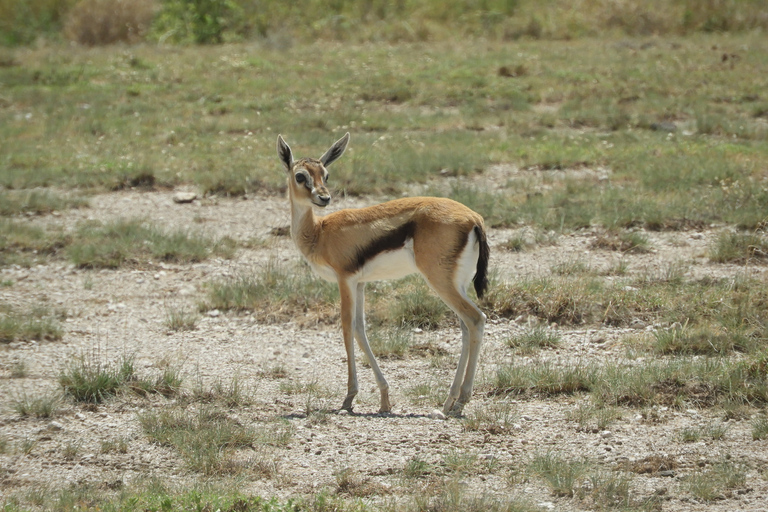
389, 265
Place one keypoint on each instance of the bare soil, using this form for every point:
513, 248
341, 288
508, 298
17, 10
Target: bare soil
110, 314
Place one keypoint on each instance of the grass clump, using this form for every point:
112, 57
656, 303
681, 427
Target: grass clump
40, 407
562, 475
534, 339
760, 427
90, 380
180, 319
710, 484
633, 242
37, 324
277, 293
22, 244
544, 379
742, 248
709, 339
113, 244
593, 417
204, 438
496, 418
36, 201
408, 303
391, 343
678, 382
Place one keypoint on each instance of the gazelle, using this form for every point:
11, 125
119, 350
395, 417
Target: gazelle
439, 238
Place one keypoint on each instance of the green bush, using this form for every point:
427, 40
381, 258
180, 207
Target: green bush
195, 21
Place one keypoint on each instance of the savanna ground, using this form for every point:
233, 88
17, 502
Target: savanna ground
166, 356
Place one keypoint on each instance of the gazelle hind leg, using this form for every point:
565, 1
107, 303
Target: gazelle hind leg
473, 322
362, 341
458, 380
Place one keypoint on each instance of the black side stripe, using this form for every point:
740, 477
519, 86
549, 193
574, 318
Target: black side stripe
389, 241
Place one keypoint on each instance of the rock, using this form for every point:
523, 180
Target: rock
55, 425
667, 473
664, 126
184, 197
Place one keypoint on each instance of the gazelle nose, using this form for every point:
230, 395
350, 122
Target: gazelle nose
324, 199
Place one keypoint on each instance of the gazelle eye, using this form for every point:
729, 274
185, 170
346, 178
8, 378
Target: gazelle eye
300, 178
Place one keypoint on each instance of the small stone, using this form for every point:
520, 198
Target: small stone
80, 416
214, 313
184, 197
55, 425
606, 434
667, 473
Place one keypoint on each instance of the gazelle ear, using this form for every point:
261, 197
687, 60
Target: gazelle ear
284, 152
335, 151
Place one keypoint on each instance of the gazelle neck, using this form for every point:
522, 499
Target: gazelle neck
304, 225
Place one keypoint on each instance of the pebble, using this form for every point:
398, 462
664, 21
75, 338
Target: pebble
184, 197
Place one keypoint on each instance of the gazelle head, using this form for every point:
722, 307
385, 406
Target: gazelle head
308, 177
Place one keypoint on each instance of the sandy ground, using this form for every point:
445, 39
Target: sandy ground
110, 314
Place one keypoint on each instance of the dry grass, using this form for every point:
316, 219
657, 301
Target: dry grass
99, 22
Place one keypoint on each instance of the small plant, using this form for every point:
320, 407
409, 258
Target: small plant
562, 475
39, 407
634, 242
119, 445
607, 490
89, 380
19, 370
110, 245
732, 247
414, 305
181, 319
27, 445
70, 450
496, 418
231, 395
709, 485
278, 292
760, 428
459, 462
594, 417
430, 392
391, 343
38, 324
416, 467
690, 435
205, 438
537, 338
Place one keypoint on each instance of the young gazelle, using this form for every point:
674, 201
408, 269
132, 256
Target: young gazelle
439, 238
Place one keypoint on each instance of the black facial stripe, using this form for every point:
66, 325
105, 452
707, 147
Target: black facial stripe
389, 241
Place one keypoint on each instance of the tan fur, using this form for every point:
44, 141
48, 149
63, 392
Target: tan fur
340, 244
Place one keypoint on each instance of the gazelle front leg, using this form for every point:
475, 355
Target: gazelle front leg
362, 340
347, 330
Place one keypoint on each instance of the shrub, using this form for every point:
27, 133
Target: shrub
195, 21
23, 21
99, 22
